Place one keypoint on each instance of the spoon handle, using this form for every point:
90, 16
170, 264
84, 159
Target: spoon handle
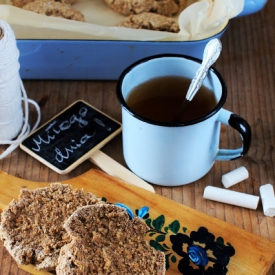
210, 55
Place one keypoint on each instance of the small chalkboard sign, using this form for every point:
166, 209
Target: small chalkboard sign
71, 137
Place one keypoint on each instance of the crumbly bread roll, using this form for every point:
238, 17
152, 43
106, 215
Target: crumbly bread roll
56, 9
105, 241
21, 3
32, 227
150, 21
163, 7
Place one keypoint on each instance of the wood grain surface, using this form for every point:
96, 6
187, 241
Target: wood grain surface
247, 64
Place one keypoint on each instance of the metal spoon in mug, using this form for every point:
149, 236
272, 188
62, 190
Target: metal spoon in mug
210, 55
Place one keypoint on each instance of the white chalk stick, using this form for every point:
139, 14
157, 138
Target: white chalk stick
231, 197
234, 176
268, 199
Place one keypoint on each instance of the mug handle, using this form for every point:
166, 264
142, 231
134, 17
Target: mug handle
239, 124
252, 6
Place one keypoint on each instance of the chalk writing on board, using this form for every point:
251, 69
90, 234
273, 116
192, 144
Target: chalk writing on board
52, 131
59, 156
70, 135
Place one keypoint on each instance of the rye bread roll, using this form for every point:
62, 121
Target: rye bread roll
106, 241
32, 227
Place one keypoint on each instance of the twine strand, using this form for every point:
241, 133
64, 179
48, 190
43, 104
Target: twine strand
14, 103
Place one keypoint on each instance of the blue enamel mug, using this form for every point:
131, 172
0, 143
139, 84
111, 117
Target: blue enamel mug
173, 154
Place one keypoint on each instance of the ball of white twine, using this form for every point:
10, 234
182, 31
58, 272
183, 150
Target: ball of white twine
14, 116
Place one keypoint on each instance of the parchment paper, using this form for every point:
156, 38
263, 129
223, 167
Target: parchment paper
199, 20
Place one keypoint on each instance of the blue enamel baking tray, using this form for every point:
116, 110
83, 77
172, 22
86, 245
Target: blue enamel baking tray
101, 59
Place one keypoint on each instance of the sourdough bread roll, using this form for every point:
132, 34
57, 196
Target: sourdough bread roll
56, 9
106, 241
163, 7
32, 227
150, 21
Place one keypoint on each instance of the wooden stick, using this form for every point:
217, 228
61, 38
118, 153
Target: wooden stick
1, 33
113, 168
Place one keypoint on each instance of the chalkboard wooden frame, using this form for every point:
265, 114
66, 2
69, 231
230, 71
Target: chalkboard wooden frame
71, 137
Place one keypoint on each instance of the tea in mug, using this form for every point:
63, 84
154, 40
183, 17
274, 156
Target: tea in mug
160, 99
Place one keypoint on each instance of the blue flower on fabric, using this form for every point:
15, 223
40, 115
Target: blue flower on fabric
201, 253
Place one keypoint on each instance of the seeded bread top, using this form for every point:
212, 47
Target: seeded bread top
106, 241
56, 9
32, 227
150, 21
163, 7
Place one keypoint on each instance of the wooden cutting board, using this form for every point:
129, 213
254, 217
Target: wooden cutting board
170, 223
